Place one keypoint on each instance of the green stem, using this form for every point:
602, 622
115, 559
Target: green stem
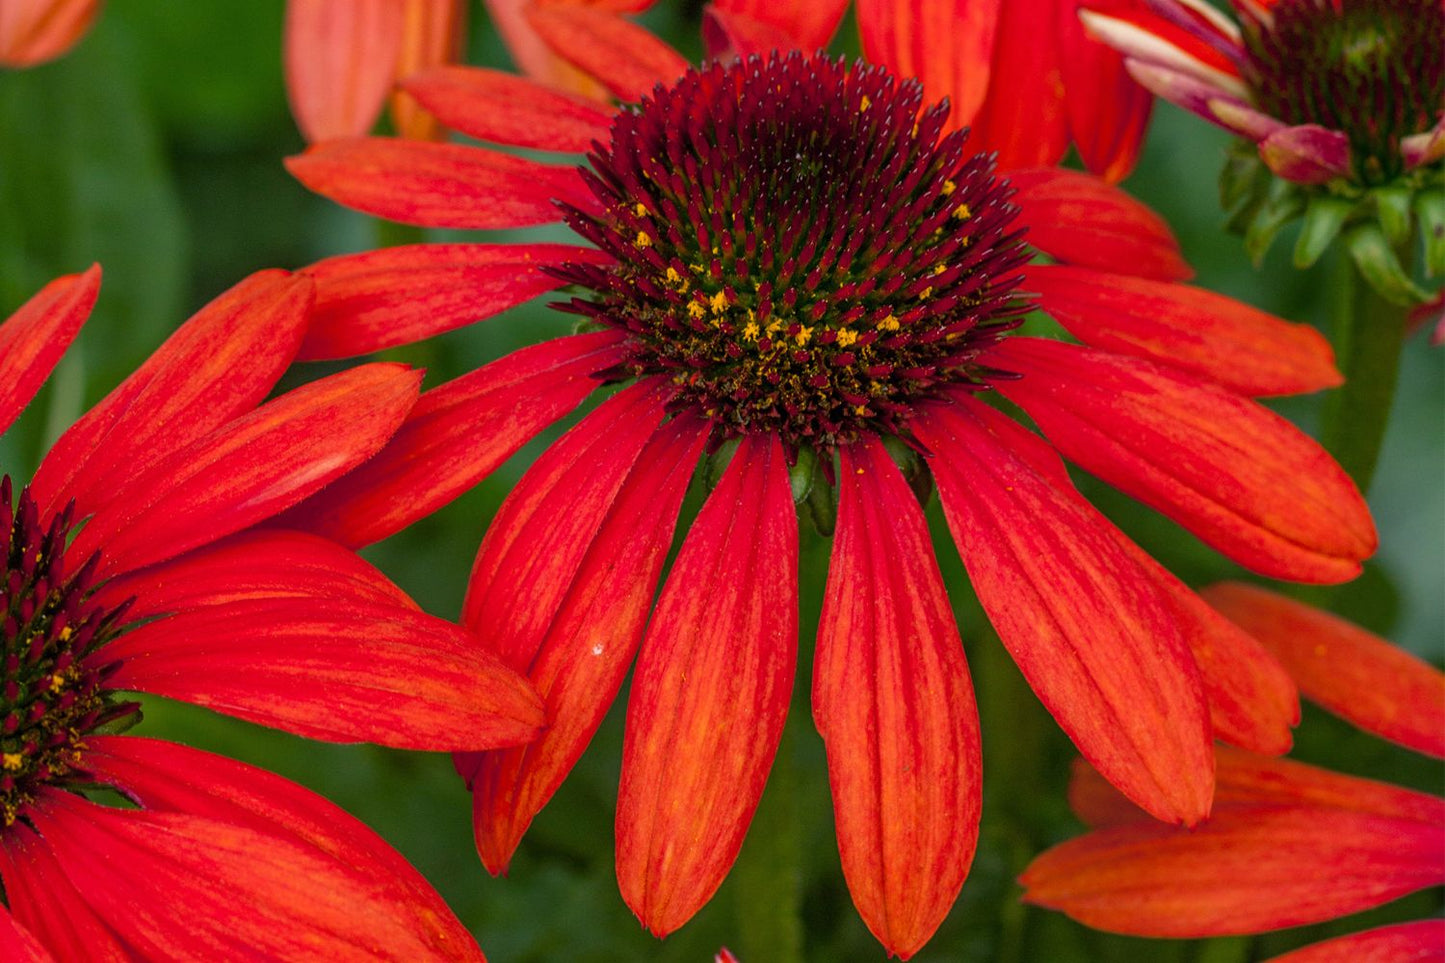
1369, 333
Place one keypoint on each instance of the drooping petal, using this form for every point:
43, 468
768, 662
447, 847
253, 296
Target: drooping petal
720, 650
33, 339
905, 37
1247, 870
1107, 110
627, 59
1095, 636
503, 108
398, 295
341, 58
1307, 154
1203, 98
1418, 942
1196, 330
163, 776
438, 185
217, 365
732, 33
342, 670
1353, 673
18, 945
1078, 219
809, 26
457, 434
34, 31
250, 469
1023, 118
589, 645
171, 885
1140, 34
893, 702
1240, 477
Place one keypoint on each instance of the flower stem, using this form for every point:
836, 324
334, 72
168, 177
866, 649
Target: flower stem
1369, 333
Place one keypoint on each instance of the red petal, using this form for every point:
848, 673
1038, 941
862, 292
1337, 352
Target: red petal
591, 641
1419, 942
1242, 478
34, 31
534, 58
807, 26
178, 886
335, 669
1078, 219
250, 469
627, 59
731, 33
721, 649
399, 295
33, 339
167, 777
947, 46
341, 58
1023, 119
18, 945
1090, 629
220, 363
893, 702
456, 435
435, 34
506, 109
1195, 330
1248, 870
1107, 110
439, 185
1353, 673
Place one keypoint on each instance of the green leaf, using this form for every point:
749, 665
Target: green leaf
1376, 261
1392, 207
1323, 219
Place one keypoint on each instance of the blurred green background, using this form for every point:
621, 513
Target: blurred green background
155, 148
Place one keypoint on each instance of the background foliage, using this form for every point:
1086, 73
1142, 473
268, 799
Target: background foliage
155, 149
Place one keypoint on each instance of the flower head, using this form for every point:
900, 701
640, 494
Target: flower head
34, 31
798, 276
131, 564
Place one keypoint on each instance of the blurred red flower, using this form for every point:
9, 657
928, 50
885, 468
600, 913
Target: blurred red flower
34, 31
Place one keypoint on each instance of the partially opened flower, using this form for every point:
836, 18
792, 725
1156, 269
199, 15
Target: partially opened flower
343, 58
34, 31
1287, 844
794, 269
125, 569
1344, 98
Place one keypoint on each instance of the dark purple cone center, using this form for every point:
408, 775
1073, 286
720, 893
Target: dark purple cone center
51, 696
1374, 69
798, 247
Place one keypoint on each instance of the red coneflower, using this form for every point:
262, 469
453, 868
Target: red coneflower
1287, 844
124, 568
790, 262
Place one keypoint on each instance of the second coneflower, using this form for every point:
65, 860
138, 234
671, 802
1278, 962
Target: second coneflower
796, 274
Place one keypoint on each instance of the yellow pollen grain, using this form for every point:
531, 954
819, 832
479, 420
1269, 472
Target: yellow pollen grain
846, 337
938, 269
57, 682
695, 309
962, 213
643, 239
12, 760
641, 209
751, 331
860, 409
926, 292
804, 335
948, 188
889, 323
864, 103
66, 633
718, 303
773, 326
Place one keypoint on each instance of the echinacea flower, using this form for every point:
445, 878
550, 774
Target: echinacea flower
790, 264
1288, 843
126, 569
34, 31
343, 58
1344, 100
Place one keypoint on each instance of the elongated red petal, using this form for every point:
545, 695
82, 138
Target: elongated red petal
627, 59
1107, 109
217, 365
335, 669
1023, 117
341, 58
438, 185
1092, 632
33, 339
171, 885
908, 38
808, 26
1353, 673
455, 436
536, 59
18, 945
1242, 348
720, 651
398, 295
249, 470
589, 645
1078, 219
506, 109
34, 31
893, 702
732, 33
435, 34
163, 776
1247, 870
1418, 942
1243, 479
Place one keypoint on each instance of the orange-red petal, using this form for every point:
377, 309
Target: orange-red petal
1353, 673
627, 59
807, 25
18, 945
503, 108
434, 33
894, 704
1023, 118
947, 46
1422, 941
33, 339
41, 898
34, 31
1107, 109
341, 58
